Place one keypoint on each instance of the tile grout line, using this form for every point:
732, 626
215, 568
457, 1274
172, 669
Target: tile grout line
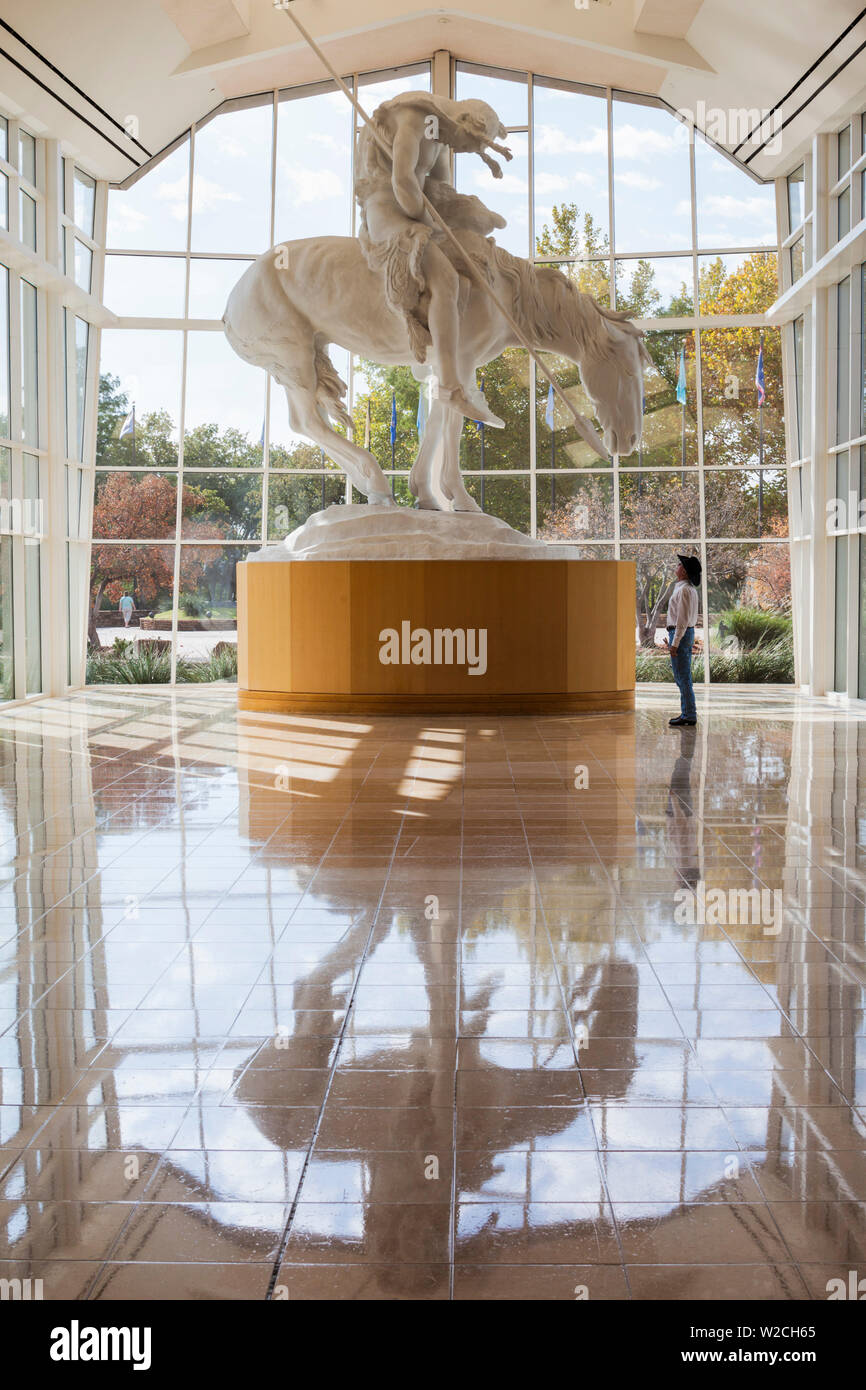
280, 1256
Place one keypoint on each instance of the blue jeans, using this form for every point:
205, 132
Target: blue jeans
681, 660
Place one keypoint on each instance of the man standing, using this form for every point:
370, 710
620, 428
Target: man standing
681, 619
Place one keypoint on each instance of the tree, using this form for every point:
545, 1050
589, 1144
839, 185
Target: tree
150, 446
729, 359
667, 504
768, 584
128, 506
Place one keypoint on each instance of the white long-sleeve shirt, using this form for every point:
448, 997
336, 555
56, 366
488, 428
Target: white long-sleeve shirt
682, 609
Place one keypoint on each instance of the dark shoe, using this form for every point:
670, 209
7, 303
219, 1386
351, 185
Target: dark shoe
677, 723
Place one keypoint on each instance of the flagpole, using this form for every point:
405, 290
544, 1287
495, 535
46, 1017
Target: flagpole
682, 397
481, 432
640, 466
393, 439
761, 445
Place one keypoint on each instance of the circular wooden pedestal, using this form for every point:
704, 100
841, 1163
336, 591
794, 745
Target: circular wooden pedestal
436, 636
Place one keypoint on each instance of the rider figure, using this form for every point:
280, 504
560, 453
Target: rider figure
398, 236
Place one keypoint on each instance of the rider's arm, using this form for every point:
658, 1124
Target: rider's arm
404, 178
442, 168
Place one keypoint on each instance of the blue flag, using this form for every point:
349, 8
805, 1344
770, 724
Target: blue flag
128, 426
549, 417
262, 438
393, 419
759, 377
421, 417
681, 379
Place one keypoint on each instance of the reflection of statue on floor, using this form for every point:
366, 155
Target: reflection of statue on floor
680, 810
399, 241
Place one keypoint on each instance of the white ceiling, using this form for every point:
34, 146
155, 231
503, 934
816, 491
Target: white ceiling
168, 62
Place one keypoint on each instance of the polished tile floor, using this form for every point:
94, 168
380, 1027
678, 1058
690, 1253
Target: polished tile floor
457, 1008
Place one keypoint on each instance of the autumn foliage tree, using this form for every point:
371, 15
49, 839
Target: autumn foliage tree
131, 506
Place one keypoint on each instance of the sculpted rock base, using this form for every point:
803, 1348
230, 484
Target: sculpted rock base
364, 532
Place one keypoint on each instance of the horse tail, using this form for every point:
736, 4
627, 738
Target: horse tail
331, 388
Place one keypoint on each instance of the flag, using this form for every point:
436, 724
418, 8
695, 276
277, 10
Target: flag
367, 425
393, 419
759, 377
128, 426
262, 439
421, 417
681, 379
549, 417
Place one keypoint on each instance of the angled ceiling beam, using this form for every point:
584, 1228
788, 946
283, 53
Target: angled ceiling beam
204, 23
672, 18
601, 28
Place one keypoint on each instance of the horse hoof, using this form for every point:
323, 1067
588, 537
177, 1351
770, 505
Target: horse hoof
381, 499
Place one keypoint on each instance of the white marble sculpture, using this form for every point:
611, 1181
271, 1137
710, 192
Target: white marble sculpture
399, 294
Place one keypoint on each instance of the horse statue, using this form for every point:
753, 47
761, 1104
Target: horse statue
376, 294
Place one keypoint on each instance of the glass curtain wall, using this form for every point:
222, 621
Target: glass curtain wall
48, 208
197, 464
614, 189
823, 207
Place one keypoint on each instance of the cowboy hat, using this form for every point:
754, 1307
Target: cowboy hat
692, 566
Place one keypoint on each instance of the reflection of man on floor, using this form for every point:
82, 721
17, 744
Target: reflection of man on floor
680, 810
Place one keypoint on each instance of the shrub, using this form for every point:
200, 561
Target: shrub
222, 665
150, 664
146, 666
772, 663
752, 626
769, 664
653, 668
193, 605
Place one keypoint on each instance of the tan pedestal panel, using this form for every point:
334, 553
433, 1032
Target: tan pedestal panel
560, 635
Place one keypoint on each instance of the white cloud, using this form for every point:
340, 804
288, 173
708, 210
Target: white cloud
321, 137
509, 183
551, 139
206, 194
175, 194
645, 182
229, 145
630, 142
125, 218
312, 185
551, 183
559, 183
725, 205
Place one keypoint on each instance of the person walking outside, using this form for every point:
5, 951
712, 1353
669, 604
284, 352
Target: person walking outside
127, 607
681, 619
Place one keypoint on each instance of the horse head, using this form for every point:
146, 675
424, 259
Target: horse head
609, 350
611, 368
